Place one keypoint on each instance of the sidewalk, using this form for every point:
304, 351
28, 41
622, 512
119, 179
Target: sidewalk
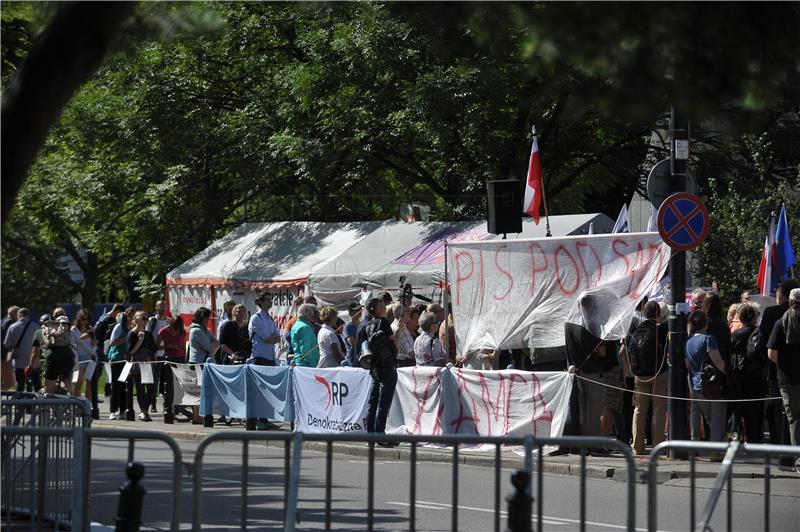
748, 475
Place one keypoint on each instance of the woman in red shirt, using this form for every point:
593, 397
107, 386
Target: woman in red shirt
172, 339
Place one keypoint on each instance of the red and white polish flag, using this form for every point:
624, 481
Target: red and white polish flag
533, 184
764, 281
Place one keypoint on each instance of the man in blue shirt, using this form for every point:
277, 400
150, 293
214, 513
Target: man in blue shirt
350, 334
701, 349
264, 333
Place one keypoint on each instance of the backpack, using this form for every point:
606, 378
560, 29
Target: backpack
380, 349
756, 359
642, 348
55, 334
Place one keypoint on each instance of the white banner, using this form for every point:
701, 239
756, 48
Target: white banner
187, 299
519, 293
435, 401
330, 400
186, 386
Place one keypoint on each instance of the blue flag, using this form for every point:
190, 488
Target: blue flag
784, 255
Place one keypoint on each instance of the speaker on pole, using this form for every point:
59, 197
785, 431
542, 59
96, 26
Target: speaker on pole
504, 204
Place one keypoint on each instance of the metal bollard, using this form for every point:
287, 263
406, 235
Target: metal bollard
519, 504
131, 499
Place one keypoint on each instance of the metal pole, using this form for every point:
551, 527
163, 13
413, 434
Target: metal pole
446, 303
678, 419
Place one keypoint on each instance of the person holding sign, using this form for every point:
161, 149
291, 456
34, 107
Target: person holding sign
84, 343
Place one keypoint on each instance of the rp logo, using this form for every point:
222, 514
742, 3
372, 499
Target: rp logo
337, 391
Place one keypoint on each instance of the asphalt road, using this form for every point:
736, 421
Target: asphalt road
606, 500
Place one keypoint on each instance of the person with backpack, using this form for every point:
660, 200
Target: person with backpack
380, 358
702, 356
749, 372
643, 352
19, 343
58, 356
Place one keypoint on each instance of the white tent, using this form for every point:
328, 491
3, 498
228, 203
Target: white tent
259, 257
415, 252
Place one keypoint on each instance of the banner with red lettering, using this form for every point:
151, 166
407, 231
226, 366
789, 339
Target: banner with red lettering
434, 401
519, 293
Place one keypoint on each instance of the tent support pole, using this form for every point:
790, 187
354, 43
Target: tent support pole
446, 301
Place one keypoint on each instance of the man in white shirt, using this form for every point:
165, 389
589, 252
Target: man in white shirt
264, 333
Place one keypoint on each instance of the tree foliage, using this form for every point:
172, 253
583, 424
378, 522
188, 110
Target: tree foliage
216, 113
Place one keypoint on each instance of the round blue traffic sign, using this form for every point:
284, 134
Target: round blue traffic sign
683, 221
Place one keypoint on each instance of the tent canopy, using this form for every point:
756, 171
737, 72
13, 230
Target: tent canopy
269, 254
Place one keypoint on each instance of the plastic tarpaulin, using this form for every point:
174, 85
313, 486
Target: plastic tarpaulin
248, 391
433, 401
511, 294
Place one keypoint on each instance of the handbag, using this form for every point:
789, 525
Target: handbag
712, 382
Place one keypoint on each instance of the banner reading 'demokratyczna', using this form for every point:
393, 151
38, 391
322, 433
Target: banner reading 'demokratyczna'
330, 399
519, 293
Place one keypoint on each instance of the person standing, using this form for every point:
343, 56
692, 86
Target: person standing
775, 413
264, 333
227, 314
304, 340
172, 339
102, 332
233, 335
405, 341
117, 356
57, 354
141, 350
383, 344
84, 345
644, 353
330, 351
202, 345
7, 369
748, 374
784, 351
702, 350
427, 348
350, 334
155, 323
19, 343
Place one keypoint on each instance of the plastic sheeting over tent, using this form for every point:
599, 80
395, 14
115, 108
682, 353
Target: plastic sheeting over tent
415, 252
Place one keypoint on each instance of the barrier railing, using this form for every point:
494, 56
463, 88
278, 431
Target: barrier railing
724, 479
39, 458
293, 458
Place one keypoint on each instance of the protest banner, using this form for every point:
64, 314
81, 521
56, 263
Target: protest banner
434, 401
519, 293
186, 386
248, 391
331, 400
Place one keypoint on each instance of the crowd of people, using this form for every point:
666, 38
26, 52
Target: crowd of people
750, 355
743, 368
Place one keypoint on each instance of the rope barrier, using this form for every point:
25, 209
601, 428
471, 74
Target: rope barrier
677, 398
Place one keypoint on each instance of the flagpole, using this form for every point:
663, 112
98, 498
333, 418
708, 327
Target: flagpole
544, 196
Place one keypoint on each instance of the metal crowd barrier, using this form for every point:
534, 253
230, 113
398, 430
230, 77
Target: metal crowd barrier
724, 479
293, 461
39, 457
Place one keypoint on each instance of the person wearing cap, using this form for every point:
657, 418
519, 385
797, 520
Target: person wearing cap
19, 343
37, 365
350, 333
784, 351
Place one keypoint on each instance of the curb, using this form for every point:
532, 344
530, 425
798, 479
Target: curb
424, 455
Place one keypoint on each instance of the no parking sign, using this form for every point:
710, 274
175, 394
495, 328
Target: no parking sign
683, 221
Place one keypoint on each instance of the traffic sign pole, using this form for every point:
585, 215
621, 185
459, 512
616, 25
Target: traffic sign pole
678, 389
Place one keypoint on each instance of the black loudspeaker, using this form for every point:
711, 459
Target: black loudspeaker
504, 203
